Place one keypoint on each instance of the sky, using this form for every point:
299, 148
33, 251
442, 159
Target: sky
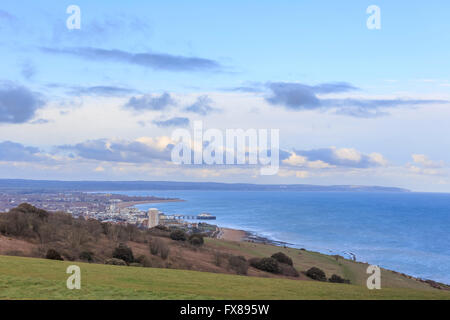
353, 105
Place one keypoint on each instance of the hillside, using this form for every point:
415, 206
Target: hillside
27, 231
27, 278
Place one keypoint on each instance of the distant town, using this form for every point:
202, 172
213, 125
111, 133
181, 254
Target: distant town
108, 207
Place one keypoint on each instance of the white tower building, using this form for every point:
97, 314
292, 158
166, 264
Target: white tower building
153, 217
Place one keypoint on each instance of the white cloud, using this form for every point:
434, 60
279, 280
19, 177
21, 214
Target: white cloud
319, 164
378, 158
99, 169
295, 160
426, 162
348, 154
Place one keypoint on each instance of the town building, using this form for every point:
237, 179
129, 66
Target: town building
153, 217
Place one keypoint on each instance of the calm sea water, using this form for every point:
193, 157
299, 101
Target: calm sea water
406, 232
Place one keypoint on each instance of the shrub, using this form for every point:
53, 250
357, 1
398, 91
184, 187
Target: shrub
254, 262
288, 270
316, 274
218, 258
16, 253
282, 258
69, 255
87, 256
155, 245
178, 235
164, 250
124, 253
161, 227
238, 264
53, 255
144, 261
266, 264
337, 279
135, 264
115, 262
196, 240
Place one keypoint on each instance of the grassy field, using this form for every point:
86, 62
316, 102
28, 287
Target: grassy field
29, 278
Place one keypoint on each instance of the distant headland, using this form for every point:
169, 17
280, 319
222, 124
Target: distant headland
52, 185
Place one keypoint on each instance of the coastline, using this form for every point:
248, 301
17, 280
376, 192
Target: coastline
230, 234
234, 233
237, 235
128, 204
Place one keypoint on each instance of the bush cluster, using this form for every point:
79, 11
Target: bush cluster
124, 253
337, 279
52, 254
266, 264
277, 263
87, 256
316, 274
115, 262
282, 258
238, 264
196, 239
288, 270
143, 261
158, 246
178, 235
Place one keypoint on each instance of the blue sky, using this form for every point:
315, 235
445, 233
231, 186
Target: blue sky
251, 64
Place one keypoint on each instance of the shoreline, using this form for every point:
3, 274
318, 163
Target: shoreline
128, 204
237, 235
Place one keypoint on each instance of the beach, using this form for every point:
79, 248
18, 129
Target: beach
231, 234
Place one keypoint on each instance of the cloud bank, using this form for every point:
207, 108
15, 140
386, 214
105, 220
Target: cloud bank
297, 96
18, 104
151, 102
156, 61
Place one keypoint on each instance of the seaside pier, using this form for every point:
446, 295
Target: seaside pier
201, 216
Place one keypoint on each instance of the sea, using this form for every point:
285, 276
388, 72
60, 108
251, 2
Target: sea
405, 232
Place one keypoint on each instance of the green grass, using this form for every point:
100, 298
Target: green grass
28, 278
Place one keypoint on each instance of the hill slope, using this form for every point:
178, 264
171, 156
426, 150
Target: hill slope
28, 278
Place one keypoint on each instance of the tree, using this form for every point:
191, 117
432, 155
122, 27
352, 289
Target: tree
87, 256
124, 253
52, 254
